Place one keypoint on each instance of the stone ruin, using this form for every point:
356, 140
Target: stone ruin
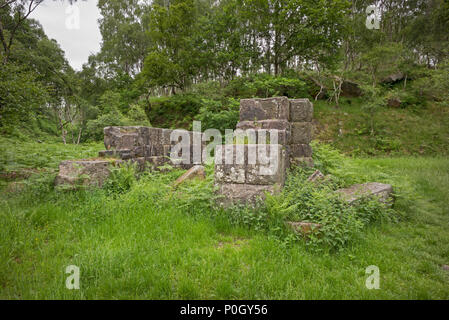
272, 135
150, 148
292, 118
289, 122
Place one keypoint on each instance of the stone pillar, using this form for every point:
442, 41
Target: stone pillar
243, 173
292, 118
301, 115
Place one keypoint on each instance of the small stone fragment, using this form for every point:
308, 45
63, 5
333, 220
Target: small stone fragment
316, 176
194, 172
359, 191
304, 228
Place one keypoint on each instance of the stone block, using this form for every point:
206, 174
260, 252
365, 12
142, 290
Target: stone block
230, 173
264, 124
84, 172
194, 172
264, 109
371, 189
157, 161
302, 133
154, 136
165, 136
301, 110
244, 193
269, 167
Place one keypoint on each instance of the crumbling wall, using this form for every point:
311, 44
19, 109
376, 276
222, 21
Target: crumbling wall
289, 124
292, 119
154, 146
243, 173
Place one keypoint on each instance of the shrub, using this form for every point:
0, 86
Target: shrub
176, 111
121, 179
264, 86
219, 115
340, 223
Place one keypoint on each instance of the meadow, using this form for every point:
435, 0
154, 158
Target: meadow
156, 242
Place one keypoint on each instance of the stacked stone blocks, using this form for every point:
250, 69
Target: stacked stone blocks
153, 146
292, 119
276, 125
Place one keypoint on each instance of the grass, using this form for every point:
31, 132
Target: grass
151, 243
22, 159
412, 131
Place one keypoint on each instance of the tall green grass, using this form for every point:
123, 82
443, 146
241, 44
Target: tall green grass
153, 241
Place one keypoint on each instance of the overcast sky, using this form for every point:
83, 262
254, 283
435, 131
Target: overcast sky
77, 37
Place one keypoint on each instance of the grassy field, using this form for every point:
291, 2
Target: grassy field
422, 131
154, 243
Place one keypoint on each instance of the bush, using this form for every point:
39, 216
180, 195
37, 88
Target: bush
340, 222
94, 130
176, 111
219, 115
121, 179
264, 86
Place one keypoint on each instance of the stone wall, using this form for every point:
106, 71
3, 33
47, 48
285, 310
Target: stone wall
153, 146
150, 148
290, 121
291, 118
245, 172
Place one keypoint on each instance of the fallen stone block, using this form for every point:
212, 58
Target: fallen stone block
302, 133
244, 193
264, 109
393, 78
84, 172
359, 191
304, 228
316, 176
195, 172
301, 110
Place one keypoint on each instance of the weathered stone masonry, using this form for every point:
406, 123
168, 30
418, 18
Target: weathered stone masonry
246, 178
150, 148
291, 120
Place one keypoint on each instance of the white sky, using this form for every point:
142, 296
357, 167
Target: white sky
60, 22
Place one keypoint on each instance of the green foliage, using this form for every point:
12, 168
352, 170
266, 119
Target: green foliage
21, 96
176, 111
340, 223
94, 128
121, 179
265, 86
372, 104
219, 115
209, 254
